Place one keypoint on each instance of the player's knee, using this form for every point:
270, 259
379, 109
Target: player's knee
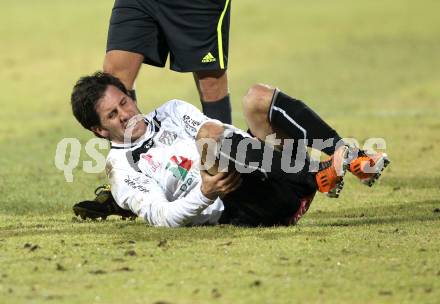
211, 130
257, 100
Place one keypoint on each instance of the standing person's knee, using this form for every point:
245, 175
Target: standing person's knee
212, 85
124, 65
115, 63
257, 100
212, 89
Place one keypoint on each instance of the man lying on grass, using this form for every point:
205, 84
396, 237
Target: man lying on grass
176, 167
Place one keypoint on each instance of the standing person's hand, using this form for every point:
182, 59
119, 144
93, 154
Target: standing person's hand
219, 185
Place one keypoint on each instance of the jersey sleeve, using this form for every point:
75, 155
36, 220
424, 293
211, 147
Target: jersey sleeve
188, 117
144, 197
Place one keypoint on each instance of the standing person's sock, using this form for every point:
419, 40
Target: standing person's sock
220, 109
132, 94
300, 122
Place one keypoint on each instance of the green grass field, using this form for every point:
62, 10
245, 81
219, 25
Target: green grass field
370, 68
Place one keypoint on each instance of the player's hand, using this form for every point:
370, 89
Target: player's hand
219, 185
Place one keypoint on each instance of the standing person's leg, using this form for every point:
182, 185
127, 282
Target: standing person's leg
214, 94
134, 37
197, 33
124, 65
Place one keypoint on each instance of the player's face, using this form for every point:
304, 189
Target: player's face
115, 109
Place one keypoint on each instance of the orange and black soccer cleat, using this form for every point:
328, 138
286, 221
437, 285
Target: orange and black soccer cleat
367, 167
329, 178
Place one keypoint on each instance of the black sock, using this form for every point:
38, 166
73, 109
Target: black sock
220, 109
132, 94
300, 122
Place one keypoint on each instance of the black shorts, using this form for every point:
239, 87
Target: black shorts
193, 32
265, 202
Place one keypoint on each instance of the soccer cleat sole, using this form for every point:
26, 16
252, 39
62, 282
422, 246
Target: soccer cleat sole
341, 171
85, 214
334, 193
372, 180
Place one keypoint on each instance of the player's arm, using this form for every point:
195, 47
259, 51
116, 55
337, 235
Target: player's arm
144, 197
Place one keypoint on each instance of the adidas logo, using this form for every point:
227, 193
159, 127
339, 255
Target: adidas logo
208, 58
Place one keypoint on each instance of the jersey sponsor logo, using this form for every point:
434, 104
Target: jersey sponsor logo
179, 166
190, 123
208, 58
136, 184
188, 182
167, 137
154, 165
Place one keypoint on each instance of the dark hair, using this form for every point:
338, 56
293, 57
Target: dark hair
86, 93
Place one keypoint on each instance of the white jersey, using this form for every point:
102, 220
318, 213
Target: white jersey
158, 176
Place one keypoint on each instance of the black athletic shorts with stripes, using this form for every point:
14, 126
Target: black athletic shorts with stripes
194, 32
270, 201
